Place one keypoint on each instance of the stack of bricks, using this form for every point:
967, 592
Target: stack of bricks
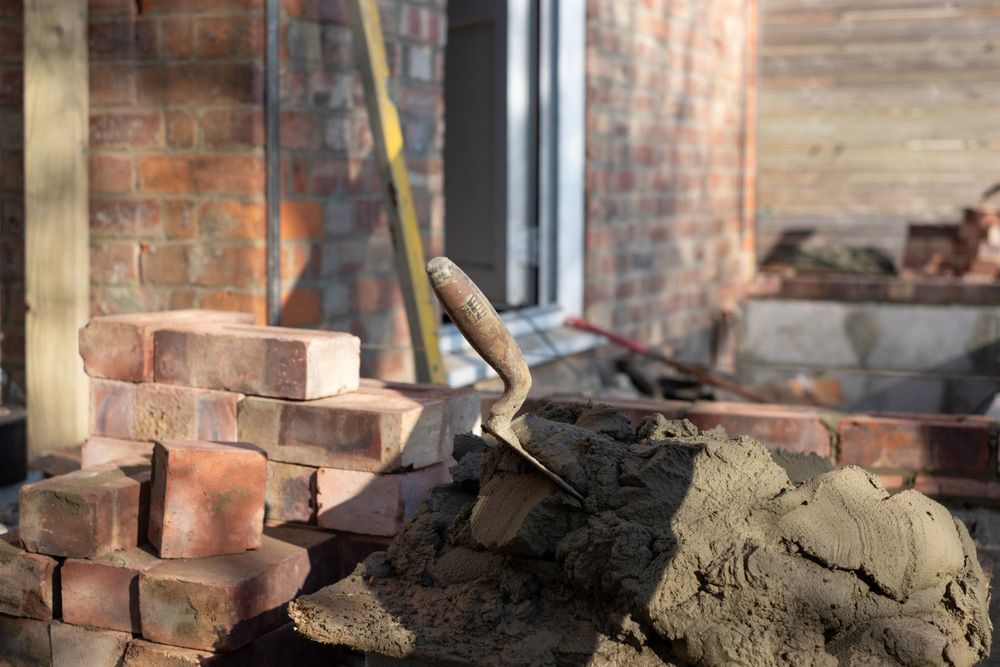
231, 468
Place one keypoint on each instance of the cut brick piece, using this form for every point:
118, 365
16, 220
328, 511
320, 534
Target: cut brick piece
141, 653
86, 513
104, 592
98, 450
940, 443
26, 580
207, 498
120, 347
372, 504
278, 362
291, 493
24, 642
375, 432
161, 412
75, 645
777, 426
224, 602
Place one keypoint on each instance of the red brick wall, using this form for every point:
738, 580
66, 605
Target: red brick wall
664, 176
11, 193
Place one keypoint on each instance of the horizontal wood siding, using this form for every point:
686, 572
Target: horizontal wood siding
875, 114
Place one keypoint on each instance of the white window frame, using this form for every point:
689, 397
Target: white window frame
540, 329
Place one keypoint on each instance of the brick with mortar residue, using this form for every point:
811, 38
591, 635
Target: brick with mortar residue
939, 443
373, 504
120, 347
207, 498
152, 411
97, 450
24, 642
262, 361
291, 492
27, 580
777, 426
224, 602
86, 513
104, 592
76, 645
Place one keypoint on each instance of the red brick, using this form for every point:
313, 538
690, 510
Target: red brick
226, 602
291, 492
264, 361
222, 174
151, 411
199, 83
181, 128
377, 293
463, 406
178, 36
300, 261
301, 307
219, 265
372, 503
86, 513
104, 592
98, 451
165, 263
247, 302
26, 580
141, 653
231, 219
229, 128
75, 645
125, 129
124, 217
892, 482
114, 262
112, 84
25, 642
957, 487
301, 130
778, 427
228, 36
207, 498
363, 431
928, 443
120, 347
301, 219
185, 6
111, 173
121, 39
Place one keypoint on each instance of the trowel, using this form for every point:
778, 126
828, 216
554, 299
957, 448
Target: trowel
478, 321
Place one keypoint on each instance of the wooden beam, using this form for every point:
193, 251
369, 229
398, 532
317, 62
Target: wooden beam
57, 244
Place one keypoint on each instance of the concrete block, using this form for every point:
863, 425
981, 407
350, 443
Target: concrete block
291, 493
104, 592
97, 450
24, 642
161, 412
376, 432
207, 498
363, 502
278, 362
86, 513
27, 580
74, 645
120, 347
224, 602
805, 333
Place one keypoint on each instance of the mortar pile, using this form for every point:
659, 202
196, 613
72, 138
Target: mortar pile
690, 548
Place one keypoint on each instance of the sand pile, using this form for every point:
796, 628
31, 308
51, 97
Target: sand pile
690, 548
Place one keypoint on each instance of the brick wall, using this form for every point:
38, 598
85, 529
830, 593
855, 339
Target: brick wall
665, 121
11, 194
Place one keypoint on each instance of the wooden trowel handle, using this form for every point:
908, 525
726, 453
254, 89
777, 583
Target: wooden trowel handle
476, 318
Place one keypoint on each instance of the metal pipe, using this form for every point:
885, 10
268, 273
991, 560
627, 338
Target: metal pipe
272, 114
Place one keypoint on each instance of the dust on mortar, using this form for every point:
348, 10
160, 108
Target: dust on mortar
690, 548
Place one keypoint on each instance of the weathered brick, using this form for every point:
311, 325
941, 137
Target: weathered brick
370, 503
120, 347
97, 450
212, 173
142, 653
151, 411
233, 219
76, 645
291, 492
124, 217
111, 173
25, 642
464, 405
114, 262
778, 427
86, 513
932, 443
207, 498
263, 361
27, 580
104, 592
222, 603
125, 129
357, 431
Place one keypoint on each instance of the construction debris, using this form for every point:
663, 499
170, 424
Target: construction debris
689, 548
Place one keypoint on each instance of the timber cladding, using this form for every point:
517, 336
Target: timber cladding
874, 115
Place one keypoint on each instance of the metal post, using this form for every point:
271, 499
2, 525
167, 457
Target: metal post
273, 148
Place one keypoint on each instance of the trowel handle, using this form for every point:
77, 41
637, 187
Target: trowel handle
476, 318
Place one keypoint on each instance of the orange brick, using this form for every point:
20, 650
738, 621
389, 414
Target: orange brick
124, 217
165, 263
223, 174
111, 84
233, 220
228, 128
301, 219
110, 173
230, 266
179, 219
98, 451
247, 302
114, 262
377, 293
301, 307
300, 261
104, 592
181, 128
777, 426
957, 487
